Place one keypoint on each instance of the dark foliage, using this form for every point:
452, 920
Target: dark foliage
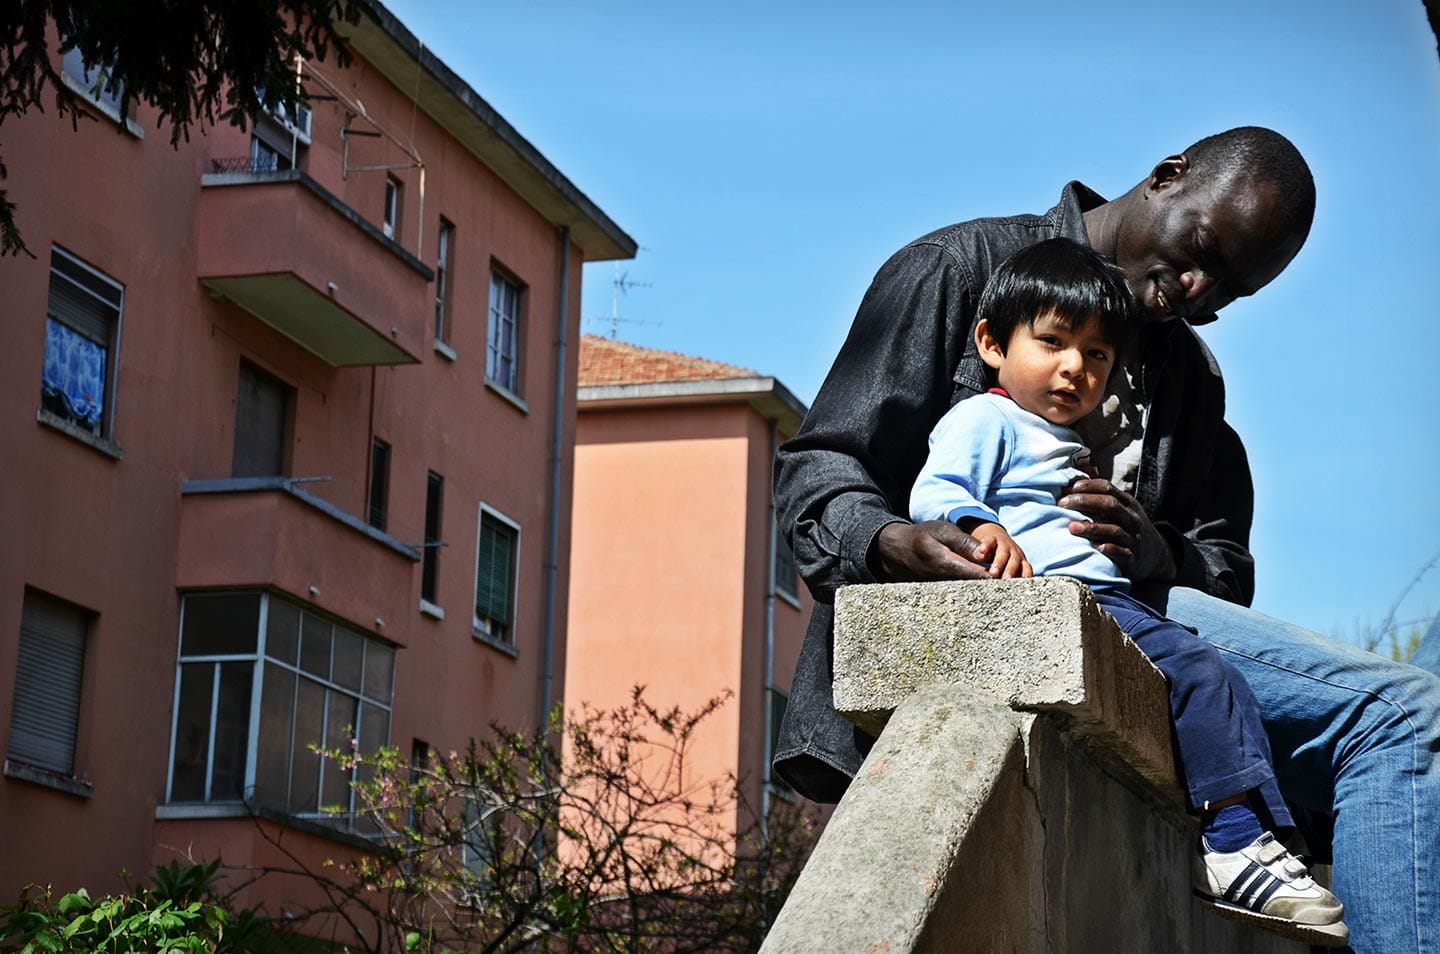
194, 61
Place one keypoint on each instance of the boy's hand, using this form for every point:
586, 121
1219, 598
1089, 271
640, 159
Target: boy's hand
1009, 561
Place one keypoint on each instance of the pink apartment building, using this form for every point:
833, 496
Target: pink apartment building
287, 419
680, 581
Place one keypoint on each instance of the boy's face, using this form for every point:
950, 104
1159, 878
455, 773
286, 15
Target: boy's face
1056, 372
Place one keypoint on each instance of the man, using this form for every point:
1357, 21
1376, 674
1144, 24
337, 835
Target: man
1350, 733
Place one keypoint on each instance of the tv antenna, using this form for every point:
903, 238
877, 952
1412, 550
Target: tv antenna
622, 285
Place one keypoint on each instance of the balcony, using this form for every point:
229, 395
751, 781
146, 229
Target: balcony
293, 255
269, 532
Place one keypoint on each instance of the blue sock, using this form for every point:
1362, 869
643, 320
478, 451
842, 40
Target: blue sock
1231, 828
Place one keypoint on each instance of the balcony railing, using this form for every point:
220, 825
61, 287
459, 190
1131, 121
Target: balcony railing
253, 165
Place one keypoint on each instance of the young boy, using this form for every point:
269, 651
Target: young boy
1050, 323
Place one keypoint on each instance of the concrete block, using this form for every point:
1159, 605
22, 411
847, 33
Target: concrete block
945, 782
1040, 645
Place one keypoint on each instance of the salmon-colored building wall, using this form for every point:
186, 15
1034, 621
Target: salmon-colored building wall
671, 573
105, 526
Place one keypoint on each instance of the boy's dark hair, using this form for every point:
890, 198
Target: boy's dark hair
1063, 277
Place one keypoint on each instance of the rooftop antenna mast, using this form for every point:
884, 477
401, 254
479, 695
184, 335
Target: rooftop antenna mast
622, 285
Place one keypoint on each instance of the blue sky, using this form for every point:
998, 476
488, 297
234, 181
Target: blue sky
769, 157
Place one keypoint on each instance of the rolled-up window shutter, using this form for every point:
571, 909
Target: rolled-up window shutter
493, 583
46, 706
81, 311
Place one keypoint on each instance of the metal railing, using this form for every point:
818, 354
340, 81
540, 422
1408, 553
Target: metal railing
253, 165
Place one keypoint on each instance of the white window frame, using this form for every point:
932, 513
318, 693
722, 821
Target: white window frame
486, 628
390, 218
105, 428
259, 658
298, 126
75, 72
443, 244
494, 336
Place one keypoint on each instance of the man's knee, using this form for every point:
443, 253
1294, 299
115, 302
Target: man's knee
1408, 703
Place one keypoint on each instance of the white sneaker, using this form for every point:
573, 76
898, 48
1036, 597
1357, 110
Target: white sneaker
1264, 885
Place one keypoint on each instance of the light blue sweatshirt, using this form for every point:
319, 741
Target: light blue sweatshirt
993, 460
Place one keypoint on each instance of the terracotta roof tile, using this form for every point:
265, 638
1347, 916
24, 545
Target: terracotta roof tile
607, 361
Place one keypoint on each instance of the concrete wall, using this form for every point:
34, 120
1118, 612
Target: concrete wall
1021, 796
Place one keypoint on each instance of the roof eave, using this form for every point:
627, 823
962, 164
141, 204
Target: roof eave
765, 394
388, 45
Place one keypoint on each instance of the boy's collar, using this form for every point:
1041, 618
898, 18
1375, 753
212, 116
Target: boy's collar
1000, 391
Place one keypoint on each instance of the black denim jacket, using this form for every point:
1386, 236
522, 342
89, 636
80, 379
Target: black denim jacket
909, 357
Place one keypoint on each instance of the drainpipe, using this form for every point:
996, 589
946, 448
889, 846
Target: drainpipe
557, 436
769, 639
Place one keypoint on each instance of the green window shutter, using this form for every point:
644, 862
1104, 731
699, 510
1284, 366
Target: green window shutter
494, 570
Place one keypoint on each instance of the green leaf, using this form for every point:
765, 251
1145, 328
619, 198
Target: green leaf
74, 901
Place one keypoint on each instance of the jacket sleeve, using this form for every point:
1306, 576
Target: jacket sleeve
848, 471
1213, 554
968, 453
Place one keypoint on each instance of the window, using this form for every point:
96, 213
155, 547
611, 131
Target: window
45, 711
294, 122
484, 829
390, 223
495, 564
82, 334
278, 137
421, 762
785, 577
430, 562
262, 423
95, 80
317, 682
442, 278
503, 341
379, 482
266, 156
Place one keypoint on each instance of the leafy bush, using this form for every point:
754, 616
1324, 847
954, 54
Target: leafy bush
172, 913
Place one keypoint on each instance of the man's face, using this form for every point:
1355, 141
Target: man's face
1193, 247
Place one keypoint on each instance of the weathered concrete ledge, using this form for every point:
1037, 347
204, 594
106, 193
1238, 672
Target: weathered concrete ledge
990, 815
1039, 645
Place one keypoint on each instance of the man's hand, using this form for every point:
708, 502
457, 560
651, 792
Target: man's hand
1009, 560
933, 550
1120, 529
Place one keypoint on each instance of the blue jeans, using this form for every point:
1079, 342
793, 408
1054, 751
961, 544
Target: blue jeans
1428, 655
1353, 733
